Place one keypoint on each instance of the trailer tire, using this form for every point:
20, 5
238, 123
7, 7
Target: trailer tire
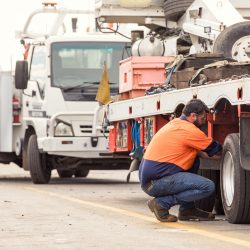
229, 37
81, 172
40, 173
65, 173
207, 204
174, 9
235, 183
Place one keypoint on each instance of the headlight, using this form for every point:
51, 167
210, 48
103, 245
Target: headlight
63, 129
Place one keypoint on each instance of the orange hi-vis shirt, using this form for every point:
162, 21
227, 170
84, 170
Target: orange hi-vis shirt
178, 142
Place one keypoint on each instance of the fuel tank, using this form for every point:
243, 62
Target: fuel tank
148, 46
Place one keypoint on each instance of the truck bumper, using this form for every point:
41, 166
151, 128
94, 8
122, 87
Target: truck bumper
74, 147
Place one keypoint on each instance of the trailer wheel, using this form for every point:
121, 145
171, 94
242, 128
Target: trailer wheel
207, 204
235, 183
65, 173
40, 173
233, 42
81, 173
174, 9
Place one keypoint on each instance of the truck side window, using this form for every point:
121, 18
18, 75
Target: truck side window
38, 65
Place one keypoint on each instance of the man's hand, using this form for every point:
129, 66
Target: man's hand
204, 155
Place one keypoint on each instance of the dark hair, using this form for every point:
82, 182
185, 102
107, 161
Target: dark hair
195, 106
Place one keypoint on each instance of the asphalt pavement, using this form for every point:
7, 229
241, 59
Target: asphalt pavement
102, 212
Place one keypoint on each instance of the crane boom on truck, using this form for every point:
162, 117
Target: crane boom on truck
202, 47
54, 121
184, 26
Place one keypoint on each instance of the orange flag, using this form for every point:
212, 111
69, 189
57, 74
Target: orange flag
103, 92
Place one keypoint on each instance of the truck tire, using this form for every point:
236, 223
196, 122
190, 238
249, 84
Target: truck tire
235, 183
174, 9
40, 173
218, 207
81, 172
65, 173
207, 204
229, 37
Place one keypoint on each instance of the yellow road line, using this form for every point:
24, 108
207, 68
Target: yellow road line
129, 213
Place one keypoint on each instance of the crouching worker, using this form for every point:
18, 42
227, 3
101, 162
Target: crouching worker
168, 170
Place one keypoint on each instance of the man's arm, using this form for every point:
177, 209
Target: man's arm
213, 151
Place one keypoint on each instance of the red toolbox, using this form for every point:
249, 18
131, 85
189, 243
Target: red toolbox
138, 74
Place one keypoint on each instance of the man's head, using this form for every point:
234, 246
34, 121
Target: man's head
195, 111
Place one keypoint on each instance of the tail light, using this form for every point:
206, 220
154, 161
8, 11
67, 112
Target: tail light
16, 109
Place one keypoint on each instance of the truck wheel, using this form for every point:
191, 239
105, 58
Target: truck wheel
40, 173
65, 173
174, 9
81, 172
218, 207
207, 204
235, 183
229, 39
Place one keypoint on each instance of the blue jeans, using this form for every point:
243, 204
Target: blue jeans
182, 188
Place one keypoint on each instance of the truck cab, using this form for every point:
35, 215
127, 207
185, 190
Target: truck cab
59, 111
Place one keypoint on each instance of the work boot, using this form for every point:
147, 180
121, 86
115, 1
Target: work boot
161, 213
195, 214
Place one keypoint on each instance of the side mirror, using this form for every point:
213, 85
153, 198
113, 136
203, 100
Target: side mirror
21, 75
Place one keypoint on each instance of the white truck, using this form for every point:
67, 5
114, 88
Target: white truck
208, 42
50, 118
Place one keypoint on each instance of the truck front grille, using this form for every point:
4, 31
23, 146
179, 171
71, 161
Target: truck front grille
86, 128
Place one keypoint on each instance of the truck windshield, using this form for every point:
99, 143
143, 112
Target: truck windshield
75, 64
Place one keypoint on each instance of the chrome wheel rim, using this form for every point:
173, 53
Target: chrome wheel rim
228, 178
